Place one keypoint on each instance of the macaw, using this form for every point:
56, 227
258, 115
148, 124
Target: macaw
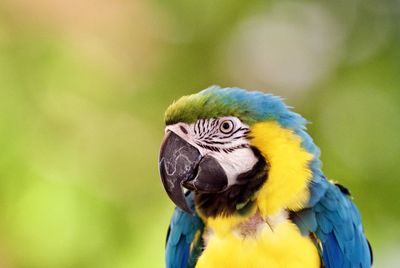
247, 182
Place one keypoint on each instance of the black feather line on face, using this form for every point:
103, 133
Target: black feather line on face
248, 183
208, 147
233, 133
215, 123
195, 128
203, 131
214, 142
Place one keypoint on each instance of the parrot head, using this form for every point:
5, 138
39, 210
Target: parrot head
236, 150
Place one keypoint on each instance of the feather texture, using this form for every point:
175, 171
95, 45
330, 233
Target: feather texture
336, 222
182, 249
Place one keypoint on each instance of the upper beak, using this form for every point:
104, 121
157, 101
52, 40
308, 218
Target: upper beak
181, 164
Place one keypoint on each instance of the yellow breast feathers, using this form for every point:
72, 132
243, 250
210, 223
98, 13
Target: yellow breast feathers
275, 243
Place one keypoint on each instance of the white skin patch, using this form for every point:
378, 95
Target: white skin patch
223, 138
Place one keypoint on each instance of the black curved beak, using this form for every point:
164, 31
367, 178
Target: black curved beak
181, 165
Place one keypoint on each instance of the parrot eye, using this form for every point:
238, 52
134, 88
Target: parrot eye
226, 126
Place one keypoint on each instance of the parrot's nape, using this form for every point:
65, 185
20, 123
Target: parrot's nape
247, 182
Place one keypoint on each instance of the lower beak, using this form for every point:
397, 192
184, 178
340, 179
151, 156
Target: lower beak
181, 164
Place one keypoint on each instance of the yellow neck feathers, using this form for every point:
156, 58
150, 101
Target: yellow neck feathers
289, 173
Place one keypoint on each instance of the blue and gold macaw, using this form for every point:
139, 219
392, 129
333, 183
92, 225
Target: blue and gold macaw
247, 182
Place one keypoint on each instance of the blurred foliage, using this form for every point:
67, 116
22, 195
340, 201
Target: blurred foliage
83, 88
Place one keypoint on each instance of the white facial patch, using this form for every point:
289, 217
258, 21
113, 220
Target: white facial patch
223, 138
236, 162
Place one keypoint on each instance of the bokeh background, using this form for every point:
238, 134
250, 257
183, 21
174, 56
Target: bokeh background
83, 88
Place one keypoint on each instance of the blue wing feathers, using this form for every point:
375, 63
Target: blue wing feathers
332, 254
182, 230
335, 220
185, 256
317, 189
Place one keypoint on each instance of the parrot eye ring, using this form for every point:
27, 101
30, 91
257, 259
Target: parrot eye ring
226, 126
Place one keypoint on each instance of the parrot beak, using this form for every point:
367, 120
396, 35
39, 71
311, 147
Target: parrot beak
181, 165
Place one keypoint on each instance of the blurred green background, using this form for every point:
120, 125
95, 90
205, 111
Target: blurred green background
83, 88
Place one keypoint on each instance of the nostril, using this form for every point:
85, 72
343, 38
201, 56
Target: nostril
183, 129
